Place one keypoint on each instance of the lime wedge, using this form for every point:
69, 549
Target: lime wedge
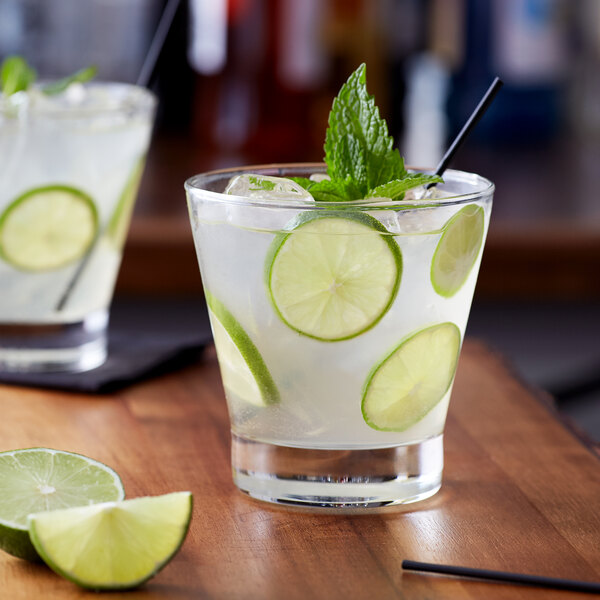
47, 228
412, 379
39, 479
118, 224
267, 187
243, 369
334, 275
113, 545
457, 250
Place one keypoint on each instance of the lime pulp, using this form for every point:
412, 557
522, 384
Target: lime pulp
114, 545
243, 370
457, 250
333, 275
42, 479
411, 380
47, 228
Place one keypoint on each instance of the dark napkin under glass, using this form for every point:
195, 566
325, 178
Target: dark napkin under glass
146, 337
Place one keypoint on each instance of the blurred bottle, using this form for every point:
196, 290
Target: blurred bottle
525, 42
585, 80
269, 69
260, 66
426, 126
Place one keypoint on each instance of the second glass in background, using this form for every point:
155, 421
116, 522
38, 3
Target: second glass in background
70, 167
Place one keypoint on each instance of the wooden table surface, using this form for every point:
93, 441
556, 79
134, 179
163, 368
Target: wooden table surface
520, 493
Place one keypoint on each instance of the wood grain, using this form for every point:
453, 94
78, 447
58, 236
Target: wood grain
520, 493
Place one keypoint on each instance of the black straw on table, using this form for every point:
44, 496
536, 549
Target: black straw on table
590, 587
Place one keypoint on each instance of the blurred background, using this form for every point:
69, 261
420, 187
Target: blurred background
251, 81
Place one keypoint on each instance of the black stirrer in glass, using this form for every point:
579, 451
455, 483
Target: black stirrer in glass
158, 42
143, 80
480, 109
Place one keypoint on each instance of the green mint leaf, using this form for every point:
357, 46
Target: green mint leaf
357, 143
15, 75
60, 85
258, 183
334, 190
305, 182
329, 190
395, 189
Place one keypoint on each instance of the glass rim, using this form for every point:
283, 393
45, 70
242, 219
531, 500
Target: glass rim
196, 185
138, 100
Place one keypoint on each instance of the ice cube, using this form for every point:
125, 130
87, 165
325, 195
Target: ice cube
417, 193
320, 177
423, 192
266, 187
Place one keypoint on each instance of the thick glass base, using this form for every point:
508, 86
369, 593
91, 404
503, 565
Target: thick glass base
338, 478
70, 347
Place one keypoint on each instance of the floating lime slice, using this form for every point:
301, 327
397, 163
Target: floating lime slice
243, 369
412, 379
47, 228
266, 187
39, 479
334, 275
113, 545
457, 250
118, 224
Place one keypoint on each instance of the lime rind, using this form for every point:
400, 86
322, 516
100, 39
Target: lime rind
353, 245
243, 368
48, 228
412, 379
114, 545
25, 476
118, 224
457, 250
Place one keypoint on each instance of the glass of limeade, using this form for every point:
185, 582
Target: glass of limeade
338, 328
70, 166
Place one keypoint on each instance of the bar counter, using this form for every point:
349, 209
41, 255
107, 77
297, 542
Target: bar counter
521, 493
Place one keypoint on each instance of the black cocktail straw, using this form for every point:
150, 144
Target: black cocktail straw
158, 42
143, 80
520, 578
483, 105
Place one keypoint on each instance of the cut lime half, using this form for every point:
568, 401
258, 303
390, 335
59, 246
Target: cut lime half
412, 379
457, 250
113, 545
243, 369
47, 228
40, 479
334, 275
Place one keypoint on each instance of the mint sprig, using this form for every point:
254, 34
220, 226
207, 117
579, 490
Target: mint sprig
359, 152
17, 76
60, 85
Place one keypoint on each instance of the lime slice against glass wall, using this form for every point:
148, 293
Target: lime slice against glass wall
40, 479
412, 379
333, 276
48, 228
243, 369
114, 545
118, 224
457, 250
